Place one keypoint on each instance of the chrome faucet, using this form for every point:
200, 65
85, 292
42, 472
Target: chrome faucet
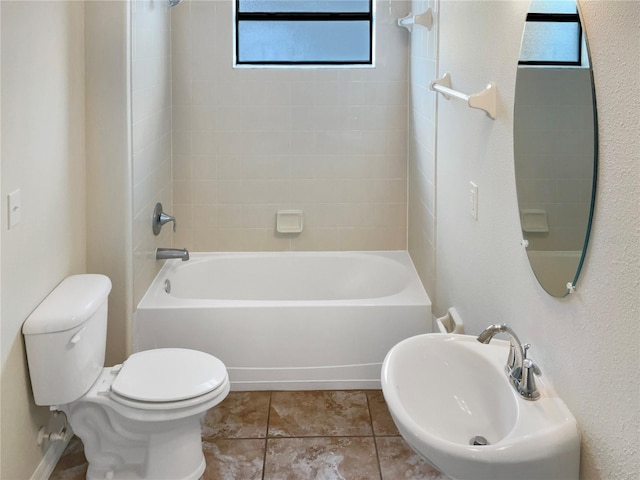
519, 369
171, 253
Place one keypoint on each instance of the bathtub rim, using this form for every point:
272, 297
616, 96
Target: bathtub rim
413, 294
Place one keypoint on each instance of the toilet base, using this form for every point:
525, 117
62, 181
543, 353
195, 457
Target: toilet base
121, 449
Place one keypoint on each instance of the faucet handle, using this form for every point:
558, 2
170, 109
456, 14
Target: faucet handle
531, 365
159, 218
164, 218
527, 387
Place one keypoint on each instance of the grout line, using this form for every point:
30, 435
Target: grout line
319, 436
302, 437
266, 437
375, 443
373, 432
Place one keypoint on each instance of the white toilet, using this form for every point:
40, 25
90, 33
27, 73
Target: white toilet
138, 420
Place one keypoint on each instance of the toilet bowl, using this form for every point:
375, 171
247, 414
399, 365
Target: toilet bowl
148, 413
137, 420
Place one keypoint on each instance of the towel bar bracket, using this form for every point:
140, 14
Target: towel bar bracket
424, 19
484, 100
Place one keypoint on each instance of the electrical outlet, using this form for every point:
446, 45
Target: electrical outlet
473, 200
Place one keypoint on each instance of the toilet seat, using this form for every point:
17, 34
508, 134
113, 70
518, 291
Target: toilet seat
167, 376
102, 393
222, 390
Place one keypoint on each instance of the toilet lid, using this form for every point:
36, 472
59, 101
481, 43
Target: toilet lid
168, 375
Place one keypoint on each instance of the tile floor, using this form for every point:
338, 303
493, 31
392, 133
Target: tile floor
302, 435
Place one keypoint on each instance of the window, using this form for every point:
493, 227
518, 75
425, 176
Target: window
304, 32
552, 34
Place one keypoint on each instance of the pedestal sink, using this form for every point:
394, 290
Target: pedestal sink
452, 402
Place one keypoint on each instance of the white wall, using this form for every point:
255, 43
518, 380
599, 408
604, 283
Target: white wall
586, 344
43, 156
247, 142
422, 148
109, 165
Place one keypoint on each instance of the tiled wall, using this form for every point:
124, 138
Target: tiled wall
422, 147
554, 140
247, 142
151, 137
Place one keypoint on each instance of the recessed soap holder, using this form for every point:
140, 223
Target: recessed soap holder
289, 221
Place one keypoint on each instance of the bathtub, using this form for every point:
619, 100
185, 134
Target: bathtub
291, 320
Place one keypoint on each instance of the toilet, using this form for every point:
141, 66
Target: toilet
137, 420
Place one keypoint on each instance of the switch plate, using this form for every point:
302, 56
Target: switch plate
14, 207
473, 200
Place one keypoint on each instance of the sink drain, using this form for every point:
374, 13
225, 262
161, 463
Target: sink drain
478, 440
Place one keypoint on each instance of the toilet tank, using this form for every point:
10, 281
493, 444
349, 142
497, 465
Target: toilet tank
65, 339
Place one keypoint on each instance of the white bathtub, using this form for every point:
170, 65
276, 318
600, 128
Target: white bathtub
308, 320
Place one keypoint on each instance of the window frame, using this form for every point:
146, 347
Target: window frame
239, 16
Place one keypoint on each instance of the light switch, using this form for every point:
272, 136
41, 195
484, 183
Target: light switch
15, 209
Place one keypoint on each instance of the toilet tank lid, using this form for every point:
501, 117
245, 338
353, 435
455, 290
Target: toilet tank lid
70, 304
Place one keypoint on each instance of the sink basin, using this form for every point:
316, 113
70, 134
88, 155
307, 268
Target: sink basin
452, 402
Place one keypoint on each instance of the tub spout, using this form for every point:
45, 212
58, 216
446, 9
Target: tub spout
171, 253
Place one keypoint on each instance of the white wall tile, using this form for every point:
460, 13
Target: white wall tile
152, 133
421, 148
257, 139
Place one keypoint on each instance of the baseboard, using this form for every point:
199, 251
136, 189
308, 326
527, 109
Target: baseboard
51, 457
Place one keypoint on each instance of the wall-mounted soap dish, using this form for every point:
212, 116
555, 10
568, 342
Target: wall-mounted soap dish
450, 323
289, 221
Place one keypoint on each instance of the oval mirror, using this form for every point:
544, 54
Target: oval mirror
555, 143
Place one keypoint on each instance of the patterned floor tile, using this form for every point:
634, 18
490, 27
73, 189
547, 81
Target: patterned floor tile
234, 459
327, 458
398, 461
240, 415
319, 413
380, 416
335, 442
73, 464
